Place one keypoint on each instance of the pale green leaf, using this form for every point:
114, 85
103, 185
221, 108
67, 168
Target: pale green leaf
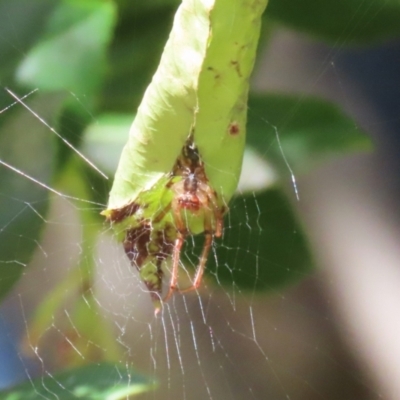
200, 87
71, 55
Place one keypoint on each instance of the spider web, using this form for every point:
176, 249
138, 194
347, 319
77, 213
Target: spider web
217, 343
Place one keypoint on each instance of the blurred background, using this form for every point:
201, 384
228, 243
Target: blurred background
350, 207
333, 335
343, 322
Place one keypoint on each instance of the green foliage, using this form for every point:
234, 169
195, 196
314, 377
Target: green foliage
82, 47
71, 53
29, 17
92, 382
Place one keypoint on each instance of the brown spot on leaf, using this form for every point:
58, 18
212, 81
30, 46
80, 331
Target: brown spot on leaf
120, 214
236, 65
142, 244
136, 244
234, 128
216, 75
86, 286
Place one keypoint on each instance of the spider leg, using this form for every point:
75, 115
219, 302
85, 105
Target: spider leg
176, 256
203, 260
218, 214
162, 214
219, 221
208, 238
173, 284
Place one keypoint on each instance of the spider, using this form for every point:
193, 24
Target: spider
194, 208
192, 194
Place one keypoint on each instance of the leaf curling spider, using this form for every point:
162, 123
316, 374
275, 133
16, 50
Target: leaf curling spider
192, 194
194, 208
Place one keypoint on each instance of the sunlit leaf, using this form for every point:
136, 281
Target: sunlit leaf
192, 118
205, 94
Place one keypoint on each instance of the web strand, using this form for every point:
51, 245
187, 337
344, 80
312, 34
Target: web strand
37, 116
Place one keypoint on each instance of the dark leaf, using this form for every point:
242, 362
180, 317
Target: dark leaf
134, 55
340, 21
310, 131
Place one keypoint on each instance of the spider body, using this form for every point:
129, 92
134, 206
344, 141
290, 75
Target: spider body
194, 208
189, 202
193, 195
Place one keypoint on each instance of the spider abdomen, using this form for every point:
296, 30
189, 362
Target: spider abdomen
189, 202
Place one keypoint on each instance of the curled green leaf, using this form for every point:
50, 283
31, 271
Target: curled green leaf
183, 158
